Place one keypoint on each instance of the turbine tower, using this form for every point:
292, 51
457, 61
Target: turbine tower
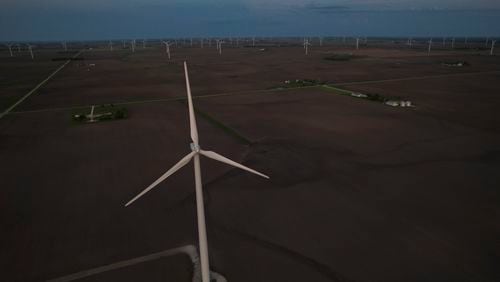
306, 46
167, 48
30, 48
196, 151
453, 43
430, 47
10, 49
492, 47
357, 43
111, 45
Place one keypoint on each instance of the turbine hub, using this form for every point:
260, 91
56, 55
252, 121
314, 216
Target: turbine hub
195, 147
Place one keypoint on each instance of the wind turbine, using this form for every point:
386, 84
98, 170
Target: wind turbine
201, 43
320, 41
430, 47
306, 46
196, 151
219, 46
30, 48
18, 48
487, 40
453, 43
144, 44
357, 43
410, 42
10, 49
167, 48
132, 44
64, 45
253, 41
492, 47
111, 45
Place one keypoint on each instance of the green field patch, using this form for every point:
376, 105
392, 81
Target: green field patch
340, 57
104, 112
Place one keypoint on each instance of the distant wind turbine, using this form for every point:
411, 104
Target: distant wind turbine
201, 43
253, 41
219, 46
30, 48
453, 43
167, 48
10, 49
144, 44
132, 44
65, 47
111, 45
492, 47
196, 151
320, 41
306, 46
430, 47
357, 43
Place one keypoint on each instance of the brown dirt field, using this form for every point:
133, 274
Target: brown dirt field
120, 76
20, 74
372, 192
359, 191
64, 187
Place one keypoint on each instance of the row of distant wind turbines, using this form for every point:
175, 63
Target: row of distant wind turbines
306, 44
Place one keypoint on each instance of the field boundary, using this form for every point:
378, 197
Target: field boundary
328, 86
9, 109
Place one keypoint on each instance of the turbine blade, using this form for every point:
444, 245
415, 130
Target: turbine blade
171, 171
192, 120
217, 157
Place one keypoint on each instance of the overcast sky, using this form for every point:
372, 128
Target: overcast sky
115, 19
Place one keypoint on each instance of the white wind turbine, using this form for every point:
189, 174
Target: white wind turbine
357, 43
64, 45
144, 44
430, 47
167, 48
453, 43
306, 46
219, 46
30, 48
132, 44
10, 49
196, 151
492, 47
111, 45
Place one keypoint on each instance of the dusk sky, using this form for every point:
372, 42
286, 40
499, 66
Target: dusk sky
115, 19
